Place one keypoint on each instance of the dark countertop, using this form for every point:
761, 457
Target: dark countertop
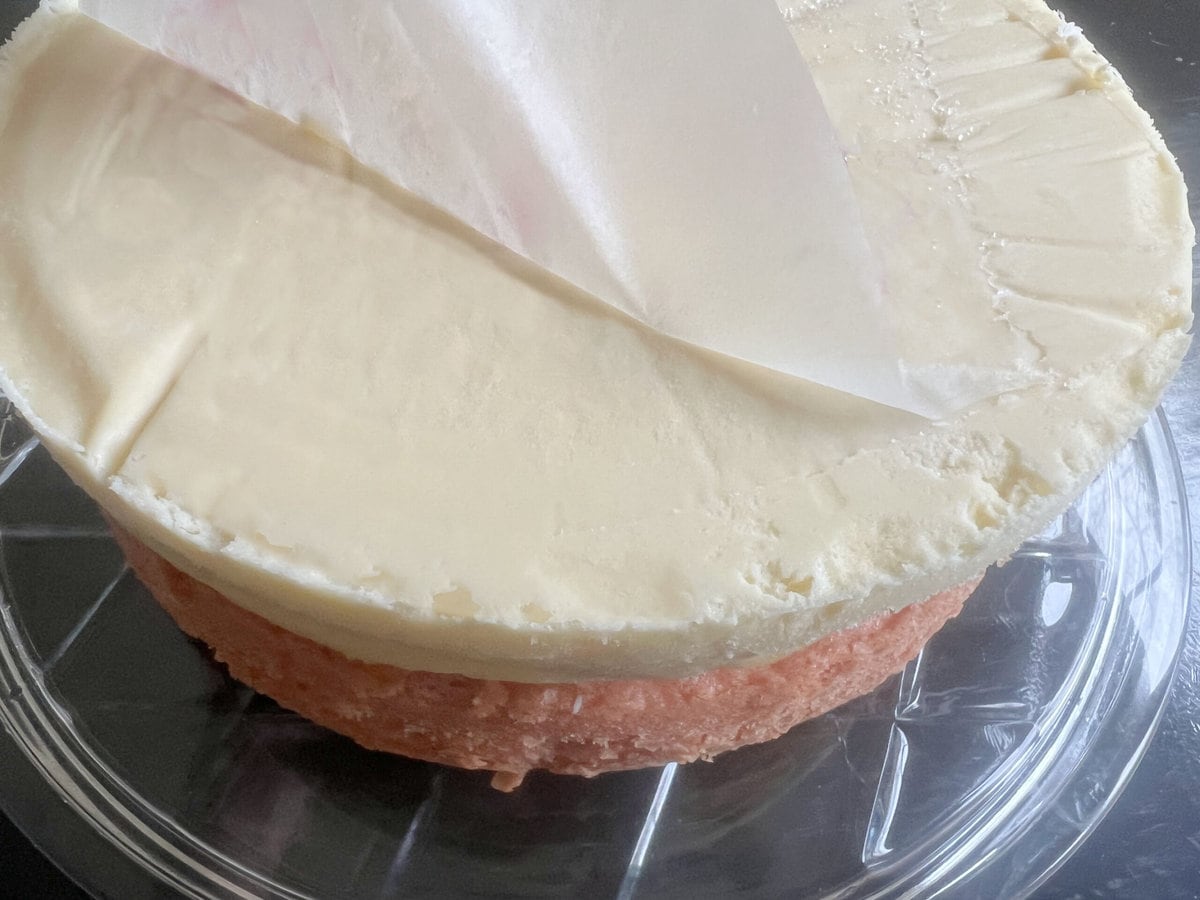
1149, 845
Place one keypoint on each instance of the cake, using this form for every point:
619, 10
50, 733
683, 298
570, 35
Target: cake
426, 494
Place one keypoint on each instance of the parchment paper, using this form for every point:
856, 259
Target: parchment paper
673, 159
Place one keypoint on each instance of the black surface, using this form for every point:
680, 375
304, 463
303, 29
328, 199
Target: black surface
27, 873
1149, 846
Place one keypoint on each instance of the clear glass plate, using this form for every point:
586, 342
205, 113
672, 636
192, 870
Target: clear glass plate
975, 773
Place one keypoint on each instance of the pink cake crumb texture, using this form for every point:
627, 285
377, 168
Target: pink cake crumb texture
511, 728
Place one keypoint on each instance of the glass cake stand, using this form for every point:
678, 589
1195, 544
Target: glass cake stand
974, 773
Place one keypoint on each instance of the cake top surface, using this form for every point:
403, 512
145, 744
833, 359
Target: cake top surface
378, 429
564, 133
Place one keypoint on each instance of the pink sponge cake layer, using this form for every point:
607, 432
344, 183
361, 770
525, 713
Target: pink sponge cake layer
511, 728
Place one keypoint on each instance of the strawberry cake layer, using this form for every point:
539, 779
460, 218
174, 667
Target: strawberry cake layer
582, 728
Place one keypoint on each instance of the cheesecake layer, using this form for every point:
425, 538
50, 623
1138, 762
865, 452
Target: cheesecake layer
383, 433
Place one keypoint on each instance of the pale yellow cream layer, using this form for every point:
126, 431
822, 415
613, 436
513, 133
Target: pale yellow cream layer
382, 432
